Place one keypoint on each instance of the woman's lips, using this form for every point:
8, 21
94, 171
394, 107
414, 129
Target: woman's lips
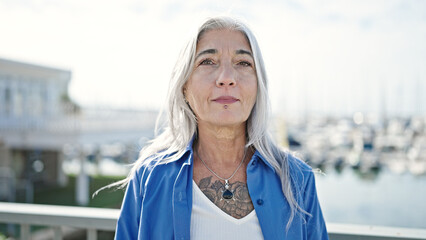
225, 100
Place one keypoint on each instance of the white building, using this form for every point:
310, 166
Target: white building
30, 97
30, 91
37, 119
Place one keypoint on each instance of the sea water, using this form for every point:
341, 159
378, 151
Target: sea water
373, 198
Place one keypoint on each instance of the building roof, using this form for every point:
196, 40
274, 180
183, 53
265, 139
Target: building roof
21, 69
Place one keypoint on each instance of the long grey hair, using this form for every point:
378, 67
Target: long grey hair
180, 124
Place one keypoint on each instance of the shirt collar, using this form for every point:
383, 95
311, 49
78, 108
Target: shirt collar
257, 155
189, 149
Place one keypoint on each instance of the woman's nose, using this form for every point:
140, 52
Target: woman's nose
226, 77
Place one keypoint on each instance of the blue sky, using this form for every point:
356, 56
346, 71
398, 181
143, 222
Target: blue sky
321, 56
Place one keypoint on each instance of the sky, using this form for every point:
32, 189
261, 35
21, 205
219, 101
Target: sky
325, 56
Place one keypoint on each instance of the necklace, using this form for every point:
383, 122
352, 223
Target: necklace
226, 194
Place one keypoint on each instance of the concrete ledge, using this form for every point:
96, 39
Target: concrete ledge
339, 231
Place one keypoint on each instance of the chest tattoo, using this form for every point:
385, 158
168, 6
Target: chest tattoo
238, 207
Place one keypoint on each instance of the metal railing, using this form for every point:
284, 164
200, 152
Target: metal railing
94, 219
91, 219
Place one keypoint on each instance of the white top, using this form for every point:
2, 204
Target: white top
209, 222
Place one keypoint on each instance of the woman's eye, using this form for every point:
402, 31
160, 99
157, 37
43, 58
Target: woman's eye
206, 62
245, 64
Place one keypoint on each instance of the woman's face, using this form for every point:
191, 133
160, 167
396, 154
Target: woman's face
222, 87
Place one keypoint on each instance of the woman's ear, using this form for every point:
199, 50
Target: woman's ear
184, 94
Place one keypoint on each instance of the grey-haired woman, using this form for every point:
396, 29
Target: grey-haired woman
214, 172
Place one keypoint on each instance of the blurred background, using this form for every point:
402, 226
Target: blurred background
81, 84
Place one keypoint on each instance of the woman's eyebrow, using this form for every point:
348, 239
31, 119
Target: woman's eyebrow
214, 51
207, 51
242, 51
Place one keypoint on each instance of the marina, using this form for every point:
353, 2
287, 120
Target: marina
370, 170
365, 143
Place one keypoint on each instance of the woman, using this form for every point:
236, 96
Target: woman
214, 172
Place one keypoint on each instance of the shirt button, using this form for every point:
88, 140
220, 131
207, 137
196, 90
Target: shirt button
254, 163
259, 202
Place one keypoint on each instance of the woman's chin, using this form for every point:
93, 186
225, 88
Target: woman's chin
228, 122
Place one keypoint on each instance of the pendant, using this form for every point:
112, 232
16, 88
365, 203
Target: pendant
227, 194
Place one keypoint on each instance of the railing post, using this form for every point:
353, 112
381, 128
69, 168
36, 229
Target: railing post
92, 234
25, 232
57, 233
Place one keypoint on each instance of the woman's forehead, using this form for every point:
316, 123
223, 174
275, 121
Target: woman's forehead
223, 38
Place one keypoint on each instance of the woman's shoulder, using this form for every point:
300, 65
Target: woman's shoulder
299, 170
296, 163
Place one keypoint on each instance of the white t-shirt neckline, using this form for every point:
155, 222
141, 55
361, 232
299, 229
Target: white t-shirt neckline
215, 208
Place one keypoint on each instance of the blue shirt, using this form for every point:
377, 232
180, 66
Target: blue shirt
158, 201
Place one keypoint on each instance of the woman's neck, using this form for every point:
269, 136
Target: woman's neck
221, 145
